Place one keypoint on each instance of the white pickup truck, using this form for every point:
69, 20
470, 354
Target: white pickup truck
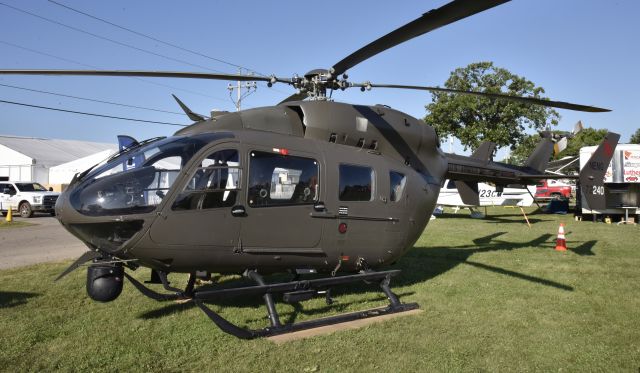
26, 197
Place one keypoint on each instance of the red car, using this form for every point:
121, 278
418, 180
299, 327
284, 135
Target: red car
548, 189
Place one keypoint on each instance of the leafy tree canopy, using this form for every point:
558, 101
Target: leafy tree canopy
476, 119
635, 138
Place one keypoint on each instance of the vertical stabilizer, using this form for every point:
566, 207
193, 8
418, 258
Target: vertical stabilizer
593, 172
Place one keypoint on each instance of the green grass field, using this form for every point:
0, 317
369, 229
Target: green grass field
496, 296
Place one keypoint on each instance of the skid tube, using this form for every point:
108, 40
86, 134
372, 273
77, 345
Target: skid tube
267, 290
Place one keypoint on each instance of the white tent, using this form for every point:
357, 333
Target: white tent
63, 173
30, 158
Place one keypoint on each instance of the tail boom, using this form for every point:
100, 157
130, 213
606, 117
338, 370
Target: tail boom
467, 171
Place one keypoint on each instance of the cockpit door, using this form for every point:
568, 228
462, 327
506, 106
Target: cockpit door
200, 214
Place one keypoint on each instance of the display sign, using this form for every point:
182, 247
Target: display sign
631, 166
613, 172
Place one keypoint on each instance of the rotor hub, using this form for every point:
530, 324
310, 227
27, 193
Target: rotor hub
316, 82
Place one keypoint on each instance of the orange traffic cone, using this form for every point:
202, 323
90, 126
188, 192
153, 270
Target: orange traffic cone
561, 243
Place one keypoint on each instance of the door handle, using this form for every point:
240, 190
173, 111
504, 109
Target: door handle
319, 207
238, 210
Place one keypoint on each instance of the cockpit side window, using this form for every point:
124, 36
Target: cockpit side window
215, 183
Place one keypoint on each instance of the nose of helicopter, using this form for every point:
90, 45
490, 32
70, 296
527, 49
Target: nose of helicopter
106, 234
59, 207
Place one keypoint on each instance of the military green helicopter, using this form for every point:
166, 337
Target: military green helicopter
305, 187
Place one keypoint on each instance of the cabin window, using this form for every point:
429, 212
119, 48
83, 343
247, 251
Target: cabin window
280, 180
356, 183
398, 182
215, 183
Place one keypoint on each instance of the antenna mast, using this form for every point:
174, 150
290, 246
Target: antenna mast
251, 87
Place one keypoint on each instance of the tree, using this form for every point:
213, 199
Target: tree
586, 137
475, 119
635, 138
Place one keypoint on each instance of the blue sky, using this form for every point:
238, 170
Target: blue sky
581, 51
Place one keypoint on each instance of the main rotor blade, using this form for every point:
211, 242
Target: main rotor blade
435, 18
498, 96
145, 73
294, 97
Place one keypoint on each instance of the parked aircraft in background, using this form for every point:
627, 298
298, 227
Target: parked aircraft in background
488, 195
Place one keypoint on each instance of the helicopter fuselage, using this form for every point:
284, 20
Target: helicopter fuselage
316, 186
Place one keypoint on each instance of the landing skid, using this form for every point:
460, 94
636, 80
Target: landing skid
302, 289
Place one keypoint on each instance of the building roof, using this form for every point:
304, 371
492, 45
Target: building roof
51, 152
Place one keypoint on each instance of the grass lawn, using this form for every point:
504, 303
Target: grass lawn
496, 295
13, 224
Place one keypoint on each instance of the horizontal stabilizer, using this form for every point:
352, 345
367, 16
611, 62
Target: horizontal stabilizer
593, 173
468, 191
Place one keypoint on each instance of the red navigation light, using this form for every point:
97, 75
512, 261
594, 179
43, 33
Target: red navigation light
284, 152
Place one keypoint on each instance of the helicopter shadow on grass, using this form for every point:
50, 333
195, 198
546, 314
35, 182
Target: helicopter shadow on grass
339, 305
423, 263
496, 219
419, 265
10, 299
501, 218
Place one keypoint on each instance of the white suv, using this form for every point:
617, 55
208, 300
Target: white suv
26, 198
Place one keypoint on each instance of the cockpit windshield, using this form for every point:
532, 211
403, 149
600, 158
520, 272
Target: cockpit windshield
137, 181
